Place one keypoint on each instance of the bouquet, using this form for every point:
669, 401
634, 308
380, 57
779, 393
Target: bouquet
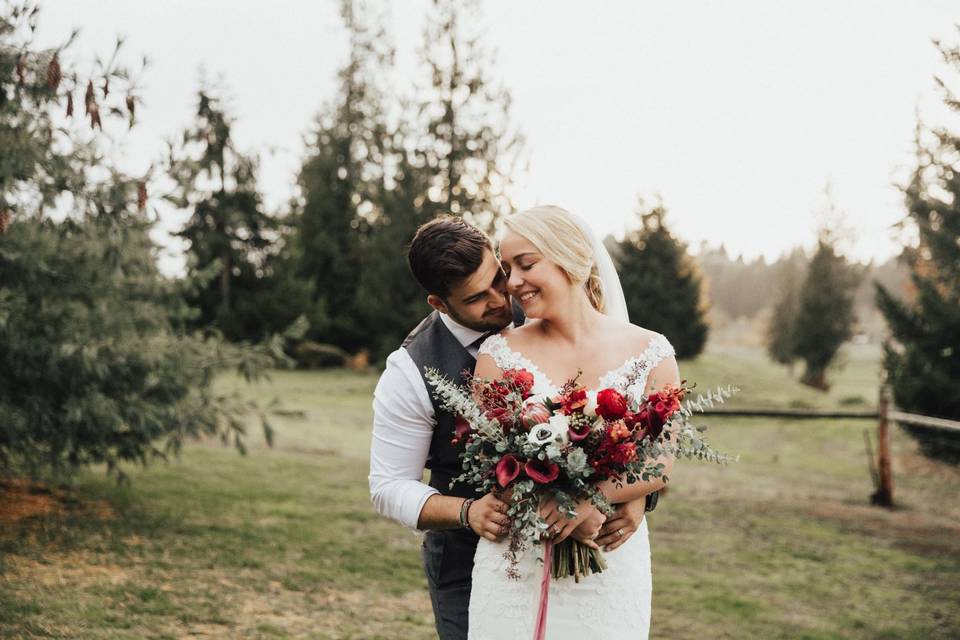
529, 447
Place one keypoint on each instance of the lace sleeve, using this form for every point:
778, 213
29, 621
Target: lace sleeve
636, 371
497, 348
659, 349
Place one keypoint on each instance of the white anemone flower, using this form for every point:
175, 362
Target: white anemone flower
555, 430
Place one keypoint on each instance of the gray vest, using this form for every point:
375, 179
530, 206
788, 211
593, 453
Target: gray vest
432, 345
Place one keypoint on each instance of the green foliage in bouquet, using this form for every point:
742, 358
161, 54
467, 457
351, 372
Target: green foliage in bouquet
561, 447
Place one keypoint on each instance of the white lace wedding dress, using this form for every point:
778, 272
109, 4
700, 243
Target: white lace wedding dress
611, 605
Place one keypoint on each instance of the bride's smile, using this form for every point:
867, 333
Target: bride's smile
536, 283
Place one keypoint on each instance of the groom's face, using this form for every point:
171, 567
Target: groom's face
480, 301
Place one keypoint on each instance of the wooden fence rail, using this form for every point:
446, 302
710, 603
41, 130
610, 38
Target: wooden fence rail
882, 472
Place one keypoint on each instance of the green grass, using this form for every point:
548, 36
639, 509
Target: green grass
283, 543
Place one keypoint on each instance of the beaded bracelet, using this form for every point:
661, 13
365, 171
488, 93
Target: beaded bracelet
464, 510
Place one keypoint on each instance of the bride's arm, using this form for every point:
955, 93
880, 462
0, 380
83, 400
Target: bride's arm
487, 367
665, 373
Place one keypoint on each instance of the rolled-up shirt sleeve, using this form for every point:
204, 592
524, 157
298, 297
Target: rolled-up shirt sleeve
403, 425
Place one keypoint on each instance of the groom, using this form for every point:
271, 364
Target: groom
456, 265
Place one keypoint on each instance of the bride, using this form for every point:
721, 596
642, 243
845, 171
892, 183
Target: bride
564, 279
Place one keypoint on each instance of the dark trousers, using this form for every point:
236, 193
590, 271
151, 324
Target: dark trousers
448, 565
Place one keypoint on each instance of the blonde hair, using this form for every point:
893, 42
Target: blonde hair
556, 234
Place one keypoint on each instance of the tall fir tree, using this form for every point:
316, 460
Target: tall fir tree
389, 301
228, 233
922, 360
661, 283
781, 327
96, 367
342, 182
825, 317
468, 144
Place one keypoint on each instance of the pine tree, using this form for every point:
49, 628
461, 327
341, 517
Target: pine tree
661, 284
95, 365
825, 319
389, 301
922, 361
228, 233
342, 183
781, 329
468, 144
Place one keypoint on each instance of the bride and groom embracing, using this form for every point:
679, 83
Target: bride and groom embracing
550, 303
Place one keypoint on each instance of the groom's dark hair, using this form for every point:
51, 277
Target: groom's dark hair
444, 252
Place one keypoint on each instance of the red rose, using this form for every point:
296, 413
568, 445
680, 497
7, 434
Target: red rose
541, 471
534, 414
521, 379
611, 404
507, 470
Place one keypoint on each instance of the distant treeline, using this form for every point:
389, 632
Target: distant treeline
739, 288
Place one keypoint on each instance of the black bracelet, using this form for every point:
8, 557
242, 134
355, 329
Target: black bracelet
464, 511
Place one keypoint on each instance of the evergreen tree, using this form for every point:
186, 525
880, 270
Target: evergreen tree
342, 183
661, 283
228, 233
922, 360
825, 319
96, 367
389, 301
467, 145
781, 329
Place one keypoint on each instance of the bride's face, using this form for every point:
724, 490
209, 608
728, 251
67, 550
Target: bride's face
535, 282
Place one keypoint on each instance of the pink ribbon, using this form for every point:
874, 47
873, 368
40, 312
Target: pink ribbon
540, 630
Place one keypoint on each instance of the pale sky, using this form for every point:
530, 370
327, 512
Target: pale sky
737, 113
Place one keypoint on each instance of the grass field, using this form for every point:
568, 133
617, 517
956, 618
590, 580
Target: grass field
283, 543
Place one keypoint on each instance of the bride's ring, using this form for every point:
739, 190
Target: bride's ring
619, 533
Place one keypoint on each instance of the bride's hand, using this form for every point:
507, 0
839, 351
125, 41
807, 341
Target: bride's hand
560, 526
622, 524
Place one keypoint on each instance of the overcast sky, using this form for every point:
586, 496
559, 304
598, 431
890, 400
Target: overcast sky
737, 113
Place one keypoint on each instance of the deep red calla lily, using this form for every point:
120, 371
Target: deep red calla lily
461, 428
541, 471
579, 433
507, 470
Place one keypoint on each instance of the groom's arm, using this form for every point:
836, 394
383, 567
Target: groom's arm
403, 425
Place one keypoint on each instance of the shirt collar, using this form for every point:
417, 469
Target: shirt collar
464, 335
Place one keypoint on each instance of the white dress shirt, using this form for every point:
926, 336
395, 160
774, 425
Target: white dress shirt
403, 423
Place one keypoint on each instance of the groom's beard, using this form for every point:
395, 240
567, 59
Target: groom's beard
489, 321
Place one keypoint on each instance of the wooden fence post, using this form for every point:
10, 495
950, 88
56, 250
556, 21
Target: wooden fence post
884, 493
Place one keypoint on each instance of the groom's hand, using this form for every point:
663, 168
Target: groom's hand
487, 517
622, 524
